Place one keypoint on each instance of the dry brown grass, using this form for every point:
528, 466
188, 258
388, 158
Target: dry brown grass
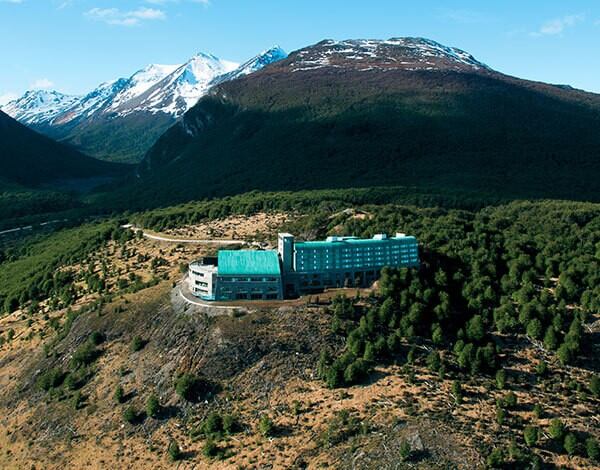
264, 362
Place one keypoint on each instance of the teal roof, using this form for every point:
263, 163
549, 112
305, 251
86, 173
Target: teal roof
248, 262
353, 241
315, 244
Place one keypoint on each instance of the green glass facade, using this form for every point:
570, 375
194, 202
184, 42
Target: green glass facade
298, 268
346, 253
346, 261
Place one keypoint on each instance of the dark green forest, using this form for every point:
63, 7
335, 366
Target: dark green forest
30, 159
454, 131
530, 268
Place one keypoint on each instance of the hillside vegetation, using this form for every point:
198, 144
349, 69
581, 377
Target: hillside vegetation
30, 159
338, 127
492, 344
122, 140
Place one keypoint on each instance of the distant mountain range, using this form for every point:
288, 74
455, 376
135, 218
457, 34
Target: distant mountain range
119, 120
404, 111
358, 113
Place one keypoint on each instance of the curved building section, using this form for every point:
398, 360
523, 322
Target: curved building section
298, 268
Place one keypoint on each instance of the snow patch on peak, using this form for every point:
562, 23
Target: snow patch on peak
367, 54
37, 106
156, 88
269, 56
431, 48
94, 101
141, 81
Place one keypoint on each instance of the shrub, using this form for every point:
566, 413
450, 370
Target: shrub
85, 354
230, 424
556, 429
152, 406
496, 458
131, 415
78, 378
190, 387
510, 400
174, 451
592, 449
137, 344
119, 394
541, 368
210, 449
595, 386
213, 424
538, 411
77, 399
97, 338
570, 443
341, 427
405, 450
501, 379
50, 379
530, 434
265, 425
296, 408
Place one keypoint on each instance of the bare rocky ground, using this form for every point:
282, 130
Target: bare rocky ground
262, 362
257, 227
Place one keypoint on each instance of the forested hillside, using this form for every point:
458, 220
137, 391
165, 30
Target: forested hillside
30, 159
297, 125
492, 342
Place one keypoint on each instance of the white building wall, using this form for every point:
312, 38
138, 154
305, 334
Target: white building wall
202, 280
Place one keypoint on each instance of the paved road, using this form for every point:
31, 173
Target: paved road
30, 227
163, 238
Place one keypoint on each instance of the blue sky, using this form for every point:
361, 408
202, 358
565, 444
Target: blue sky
72, 45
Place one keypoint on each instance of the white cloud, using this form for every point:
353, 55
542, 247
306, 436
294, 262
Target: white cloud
41, 84
558, 25
115, 16
7, 97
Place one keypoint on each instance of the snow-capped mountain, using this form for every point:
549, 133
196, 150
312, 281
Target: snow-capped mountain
120, 119
170, 89
396, 53
92, 102
263, 59
140, 81
109, 96
39, 106
179, 90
